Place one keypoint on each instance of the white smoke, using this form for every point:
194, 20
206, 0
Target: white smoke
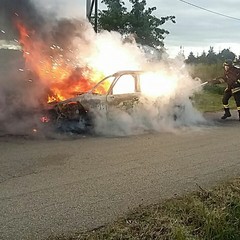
167, 109
149, 115
165, 113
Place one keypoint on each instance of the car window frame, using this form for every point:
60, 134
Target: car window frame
136, 84
99, 83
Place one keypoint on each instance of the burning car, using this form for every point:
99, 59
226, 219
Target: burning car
122, 90
68, 59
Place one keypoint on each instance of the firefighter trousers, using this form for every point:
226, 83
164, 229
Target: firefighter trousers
227, 95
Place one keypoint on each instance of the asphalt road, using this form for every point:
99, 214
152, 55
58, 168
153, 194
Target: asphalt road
49, 187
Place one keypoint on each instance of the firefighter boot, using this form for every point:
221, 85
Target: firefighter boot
226, 114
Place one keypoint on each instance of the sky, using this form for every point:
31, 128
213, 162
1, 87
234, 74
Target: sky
195, 29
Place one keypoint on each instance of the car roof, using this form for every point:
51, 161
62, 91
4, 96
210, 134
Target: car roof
119, 73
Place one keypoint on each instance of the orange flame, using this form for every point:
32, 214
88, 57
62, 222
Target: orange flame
47, 62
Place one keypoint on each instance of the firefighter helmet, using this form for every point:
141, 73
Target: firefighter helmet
228, 62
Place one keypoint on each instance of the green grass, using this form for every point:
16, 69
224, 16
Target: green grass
210, 99
203, 215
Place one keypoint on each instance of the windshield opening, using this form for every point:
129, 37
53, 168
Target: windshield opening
103, 86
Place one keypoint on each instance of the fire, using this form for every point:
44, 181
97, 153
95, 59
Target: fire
61, 78
67, 72
55, 98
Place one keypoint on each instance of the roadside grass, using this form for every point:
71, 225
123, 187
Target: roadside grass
210, 99
203, 215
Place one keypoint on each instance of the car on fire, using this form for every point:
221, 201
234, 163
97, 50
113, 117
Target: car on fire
121, 90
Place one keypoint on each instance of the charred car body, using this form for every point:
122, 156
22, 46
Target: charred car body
120, 90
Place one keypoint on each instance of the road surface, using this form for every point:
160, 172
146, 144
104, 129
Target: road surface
49, 187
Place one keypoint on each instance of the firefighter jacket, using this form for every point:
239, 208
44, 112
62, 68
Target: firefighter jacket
232, 78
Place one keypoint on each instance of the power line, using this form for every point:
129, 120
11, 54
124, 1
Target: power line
217, 13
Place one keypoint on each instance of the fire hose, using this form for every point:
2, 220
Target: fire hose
203, 84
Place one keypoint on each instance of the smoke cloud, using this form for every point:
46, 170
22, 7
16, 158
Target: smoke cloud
168, 113
65, 56
24, 9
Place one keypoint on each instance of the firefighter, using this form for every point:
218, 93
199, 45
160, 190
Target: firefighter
232, 78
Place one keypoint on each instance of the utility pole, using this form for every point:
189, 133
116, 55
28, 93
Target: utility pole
90, 5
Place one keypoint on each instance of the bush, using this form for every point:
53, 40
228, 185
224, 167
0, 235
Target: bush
206, 71
215, 89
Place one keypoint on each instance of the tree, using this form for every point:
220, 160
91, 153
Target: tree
226, 54
202, 57
138, 21
211, 56
191, 58
115, 17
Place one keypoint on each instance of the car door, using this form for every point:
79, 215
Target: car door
123, 93
96, 99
